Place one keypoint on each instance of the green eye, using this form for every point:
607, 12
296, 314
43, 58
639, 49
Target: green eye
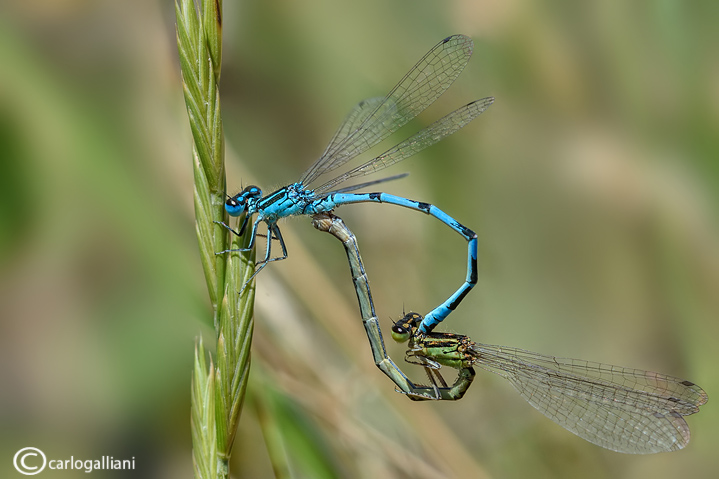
400, 333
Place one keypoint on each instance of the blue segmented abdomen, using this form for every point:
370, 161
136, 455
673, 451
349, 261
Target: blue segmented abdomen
427, 208
438, 314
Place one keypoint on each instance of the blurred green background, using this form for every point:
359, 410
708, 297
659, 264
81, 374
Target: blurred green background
593, 183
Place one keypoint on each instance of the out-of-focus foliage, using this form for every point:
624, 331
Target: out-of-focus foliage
592, 182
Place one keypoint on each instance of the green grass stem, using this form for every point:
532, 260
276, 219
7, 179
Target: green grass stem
217, 390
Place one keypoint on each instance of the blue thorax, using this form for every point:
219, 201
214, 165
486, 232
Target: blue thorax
288, 201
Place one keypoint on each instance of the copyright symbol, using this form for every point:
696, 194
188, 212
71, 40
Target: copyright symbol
26, 460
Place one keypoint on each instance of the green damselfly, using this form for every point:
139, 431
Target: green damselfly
622, 409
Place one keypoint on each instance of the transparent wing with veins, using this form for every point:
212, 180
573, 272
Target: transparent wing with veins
424, 138
352, 121
622, 409
419, 88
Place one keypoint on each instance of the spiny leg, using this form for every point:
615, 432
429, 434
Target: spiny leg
242, 226
253, 237
277, 234
465, 376
272, 233
432, 369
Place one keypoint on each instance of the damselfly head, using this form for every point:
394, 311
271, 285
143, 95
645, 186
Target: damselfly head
402, 329
236, 205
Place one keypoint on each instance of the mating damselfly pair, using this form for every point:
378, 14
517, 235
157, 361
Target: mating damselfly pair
622, 409
626, 410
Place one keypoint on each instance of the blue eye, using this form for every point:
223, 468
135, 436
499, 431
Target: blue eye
235, 206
